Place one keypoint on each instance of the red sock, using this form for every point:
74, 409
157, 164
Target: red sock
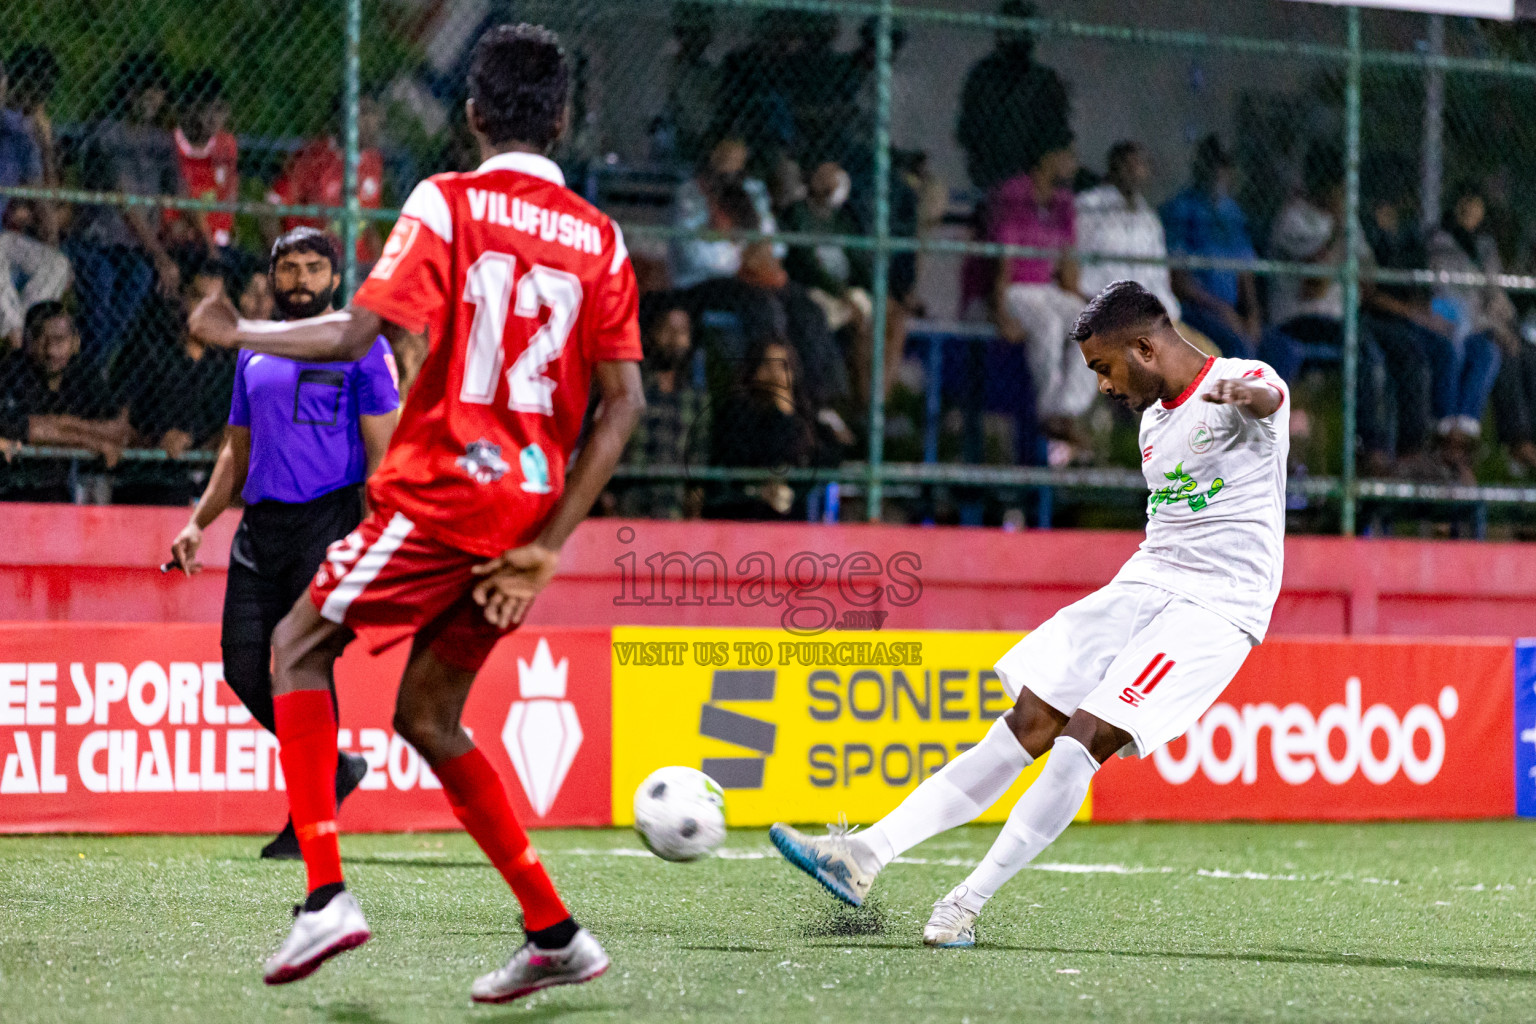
479, 801
306, 730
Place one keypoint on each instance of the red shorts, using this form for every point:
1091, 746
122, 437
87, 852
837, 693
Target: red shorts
388, 576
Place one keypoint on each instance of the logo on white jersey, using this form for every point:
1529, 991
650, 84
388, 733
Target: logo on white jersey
1201, 438
1183, 488
1156, 669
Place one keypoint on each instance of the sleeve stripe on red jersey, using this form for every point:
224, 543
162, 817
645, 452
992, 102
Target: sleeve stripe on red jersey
426, 204
620, 252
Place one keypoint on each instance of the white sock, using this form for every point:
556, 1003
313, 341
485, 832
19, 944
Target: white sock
952, 796
1042, 813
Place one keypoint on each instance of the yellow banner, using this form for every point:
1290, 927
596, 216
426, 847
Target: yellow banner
802, 729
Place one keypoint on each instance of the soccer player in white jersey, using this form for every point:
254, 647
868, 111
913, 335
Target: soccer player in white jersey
1135, 664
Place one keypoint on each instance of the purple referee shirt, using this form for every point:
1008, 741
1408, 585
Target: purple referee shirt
305, 440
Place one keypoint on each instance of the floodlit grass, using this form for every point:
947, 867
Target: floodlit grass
1391, 922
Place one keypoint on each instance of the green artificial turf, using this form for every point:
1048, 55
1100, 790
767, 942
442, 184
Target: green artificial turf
1393, 922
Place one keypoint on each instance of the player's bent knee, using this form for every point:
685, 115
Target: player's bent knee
1035, 723
1096, 735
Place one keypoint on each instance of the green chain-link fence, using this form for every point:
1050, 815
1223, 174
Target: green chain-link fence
859, 197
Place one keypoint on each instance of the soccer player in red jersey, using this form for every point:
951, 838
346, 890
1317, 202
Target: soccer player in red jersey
527, 295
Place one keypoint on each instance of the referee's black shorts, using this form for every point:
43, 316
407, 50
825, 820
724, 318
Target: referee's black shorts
278, 546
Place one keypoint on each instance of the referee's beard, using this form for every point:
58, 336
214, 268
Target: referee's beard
299, 303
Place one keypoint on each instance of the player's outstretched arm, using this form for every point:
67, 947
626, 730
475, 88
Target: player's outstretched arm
340, 337
514, 578
1255, 398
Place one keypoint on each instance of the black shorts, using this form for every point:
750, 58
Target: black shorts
277, 548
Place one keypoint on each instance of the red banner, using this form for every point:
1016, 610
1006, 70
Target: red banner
1337, 730
130, 728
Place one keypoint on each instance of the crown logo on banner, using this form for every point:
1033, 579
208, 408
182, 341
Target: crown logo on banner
543, 732
542, 678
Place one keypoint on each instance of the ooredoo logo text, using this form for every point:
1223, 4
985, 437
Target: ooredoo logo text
1336, 744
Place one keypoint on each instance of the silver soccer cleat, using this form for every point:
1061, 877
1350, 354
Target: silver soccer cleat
316, 937
952, 924
531, 969
829, 859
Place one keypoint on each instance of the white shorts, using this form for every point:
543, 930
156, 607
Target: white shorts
1138, 657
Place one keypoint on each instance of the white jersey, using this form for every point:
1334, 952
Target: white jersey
1216, 515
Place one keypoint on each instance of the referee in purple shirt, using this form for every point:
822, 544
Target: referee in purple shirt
302, 438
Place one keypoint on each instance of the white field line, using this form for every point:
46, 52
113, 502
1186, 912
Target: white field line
729, 853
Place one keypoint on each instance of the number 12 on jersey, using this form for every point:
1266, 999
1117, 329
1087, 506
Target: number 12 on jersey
489, 286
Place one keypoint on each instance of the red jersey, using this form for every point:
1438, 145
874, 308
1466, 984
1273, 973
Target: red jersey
210, 171
314, 175
523, 287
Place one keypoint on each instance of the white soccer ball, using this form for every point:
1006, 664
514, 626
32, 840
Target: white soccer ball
680, 813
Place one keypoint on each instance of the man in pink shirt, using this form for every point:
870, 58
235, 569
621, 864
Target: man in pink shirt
1036, 300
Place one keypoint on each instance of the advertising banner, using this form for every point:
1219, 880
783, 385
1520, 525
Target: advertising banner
131, 728
1525, 728
1337, 730
803, 728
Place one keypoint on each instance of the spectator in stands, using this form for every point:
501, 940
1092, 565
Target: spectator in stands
1115, 219
33, 74
21, 156
796, 318
693, 82
207, 161
839, 280
1484, 319
1204, 220
315, 175
1012, 110
757, 87
819, 83
765, 424
30, 270
50, 395
863, 70
1514, 406
1037, 300
176, 386
760, 300
256, 301
1310, 228
674, 428
117, 252
1412, 343
701, 205
1309, 311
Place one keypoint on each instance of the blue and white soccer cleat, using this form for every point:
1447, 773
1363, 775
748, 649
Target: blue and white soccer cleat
952, 924
829, 859
316, 937
532, 969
